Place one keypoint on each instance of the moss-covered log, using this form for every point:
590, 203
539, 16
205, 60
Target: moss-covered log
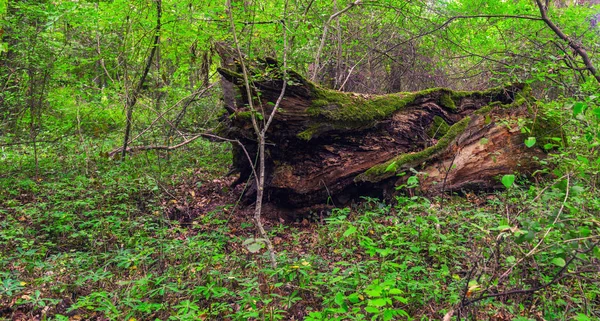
330, 146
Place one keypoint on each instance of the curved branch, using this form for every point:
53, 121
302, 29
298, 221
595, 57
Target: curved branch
325, 31
576, 46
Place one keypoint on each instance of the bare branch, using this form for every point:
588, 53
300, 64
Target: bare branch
557, 277
575, 45
324, 36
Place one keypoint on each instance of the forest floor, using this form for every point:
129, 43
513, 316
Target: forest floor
162, 237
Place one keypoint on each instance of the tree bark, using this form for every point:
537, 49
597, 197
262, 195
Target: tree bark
328, 147
132, 99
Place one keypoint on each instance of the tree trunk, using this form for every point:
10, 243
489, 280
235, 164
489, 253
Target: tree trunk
328, 147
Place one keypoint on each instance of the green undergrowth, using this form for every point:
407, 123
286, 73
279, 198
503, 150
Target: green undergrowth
87, 237
79, 230
90, 239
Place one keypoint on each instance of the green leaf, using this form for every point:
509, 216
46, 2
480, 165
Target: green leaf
395, 291
391, 167
488, 119
374, 293
584, 231
483, 141
380, 302
524, 236
578, 108
508, 180
254, 245
388, 314
583, 160
412, 181
354, 298
558, 261
577, 190
351, 230
589, 137
372, 310
339, 299
530, 141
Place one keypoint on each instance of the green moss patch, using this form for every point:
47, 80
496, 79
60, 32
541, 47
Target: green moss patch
340, 107
447, 101
438, 128
351, 111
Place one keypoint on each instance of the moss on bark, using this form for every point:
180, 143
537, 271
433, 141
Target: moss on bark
402, 162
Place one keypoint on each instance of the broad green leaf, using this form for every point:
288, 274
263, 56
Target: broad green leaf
372, 310
374, 293
584, 231
354, 298
578, 108
339, 299
351, 230
558, 261
388, 314
589, 137
380, 302
254, 245
508, 180
530, 141
413, 180
395, 291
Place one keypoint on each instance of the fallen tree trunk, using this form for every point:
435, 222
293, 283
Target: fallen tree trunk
326, 146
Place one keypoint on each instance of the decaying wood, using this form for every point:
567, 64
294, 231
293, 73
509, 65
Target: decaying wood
327, 146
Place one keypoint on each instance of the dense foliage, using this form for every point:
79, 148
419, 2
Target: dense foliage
88, 234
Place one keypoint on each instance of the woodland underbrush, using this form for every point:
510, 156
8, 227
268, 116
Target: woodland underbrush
159, 237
